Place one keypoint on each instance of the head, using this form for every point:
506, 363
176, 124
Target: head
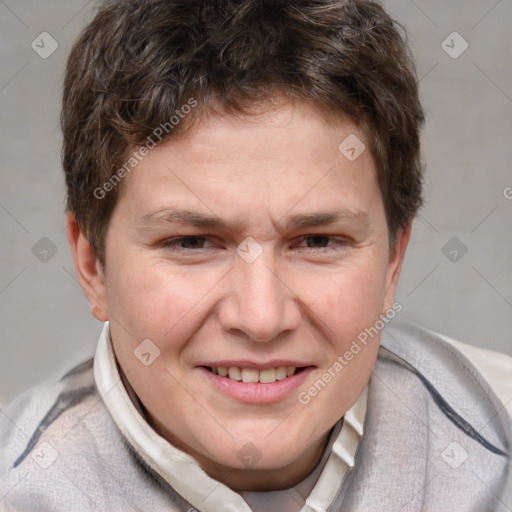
242, 177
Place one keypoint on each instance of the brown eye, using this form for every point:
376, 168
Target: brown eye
324, 243
186, 242
315, 241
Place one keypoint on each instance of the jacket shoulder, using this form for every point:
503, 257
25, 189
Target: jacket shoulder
25, 419
495, 367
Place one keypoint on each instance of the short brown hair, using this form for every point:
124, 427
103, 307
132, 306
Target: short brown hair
139, 61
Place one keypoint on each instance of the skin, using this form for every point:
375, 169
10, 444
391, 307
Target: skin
303, 298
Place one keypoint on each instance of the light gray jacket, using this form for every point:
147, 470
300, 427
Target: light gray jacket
436, 438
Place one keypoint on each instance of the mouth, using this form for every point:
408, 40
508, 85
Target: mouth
253, 375
252, 385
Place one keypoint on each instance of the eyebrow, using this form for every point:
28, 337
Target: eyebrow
207, 221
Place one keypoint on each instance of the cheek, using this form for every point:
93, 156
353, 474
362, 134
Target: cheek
355, 289
352, 295
152, 301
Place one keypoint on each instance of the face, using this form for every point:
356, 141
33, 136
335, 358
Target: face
251, 246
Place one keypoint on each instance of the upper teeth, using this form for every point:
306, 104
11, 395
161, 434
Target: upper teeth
252, 375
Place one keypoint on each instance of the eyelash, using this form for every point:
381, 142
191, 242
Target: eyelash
171, 243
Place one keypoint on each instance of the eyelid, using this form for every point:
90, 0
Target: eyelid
337, 238
337, 242
174, 240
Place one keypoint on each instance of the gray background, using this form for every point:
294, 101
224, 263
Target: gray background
45, 321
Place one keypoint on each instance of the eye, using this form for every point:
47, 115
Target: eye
315, 243
318, 241
186, 243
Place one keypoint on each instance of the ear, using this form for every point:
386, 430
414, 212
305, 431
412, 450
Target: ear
395, 265
88, 269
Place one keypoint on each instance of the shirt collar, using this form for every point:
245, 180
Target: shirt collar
182, 471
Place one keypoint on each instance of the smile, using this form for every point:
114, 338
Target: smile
256, 386
247, 375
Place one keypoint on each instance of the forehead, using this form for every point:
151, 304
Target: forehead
289, 159
271, 131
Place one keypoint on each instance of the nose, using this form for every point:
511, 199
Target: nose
260, 303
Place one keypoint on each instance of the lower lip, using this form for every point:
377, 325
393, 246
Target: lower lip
257, 393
